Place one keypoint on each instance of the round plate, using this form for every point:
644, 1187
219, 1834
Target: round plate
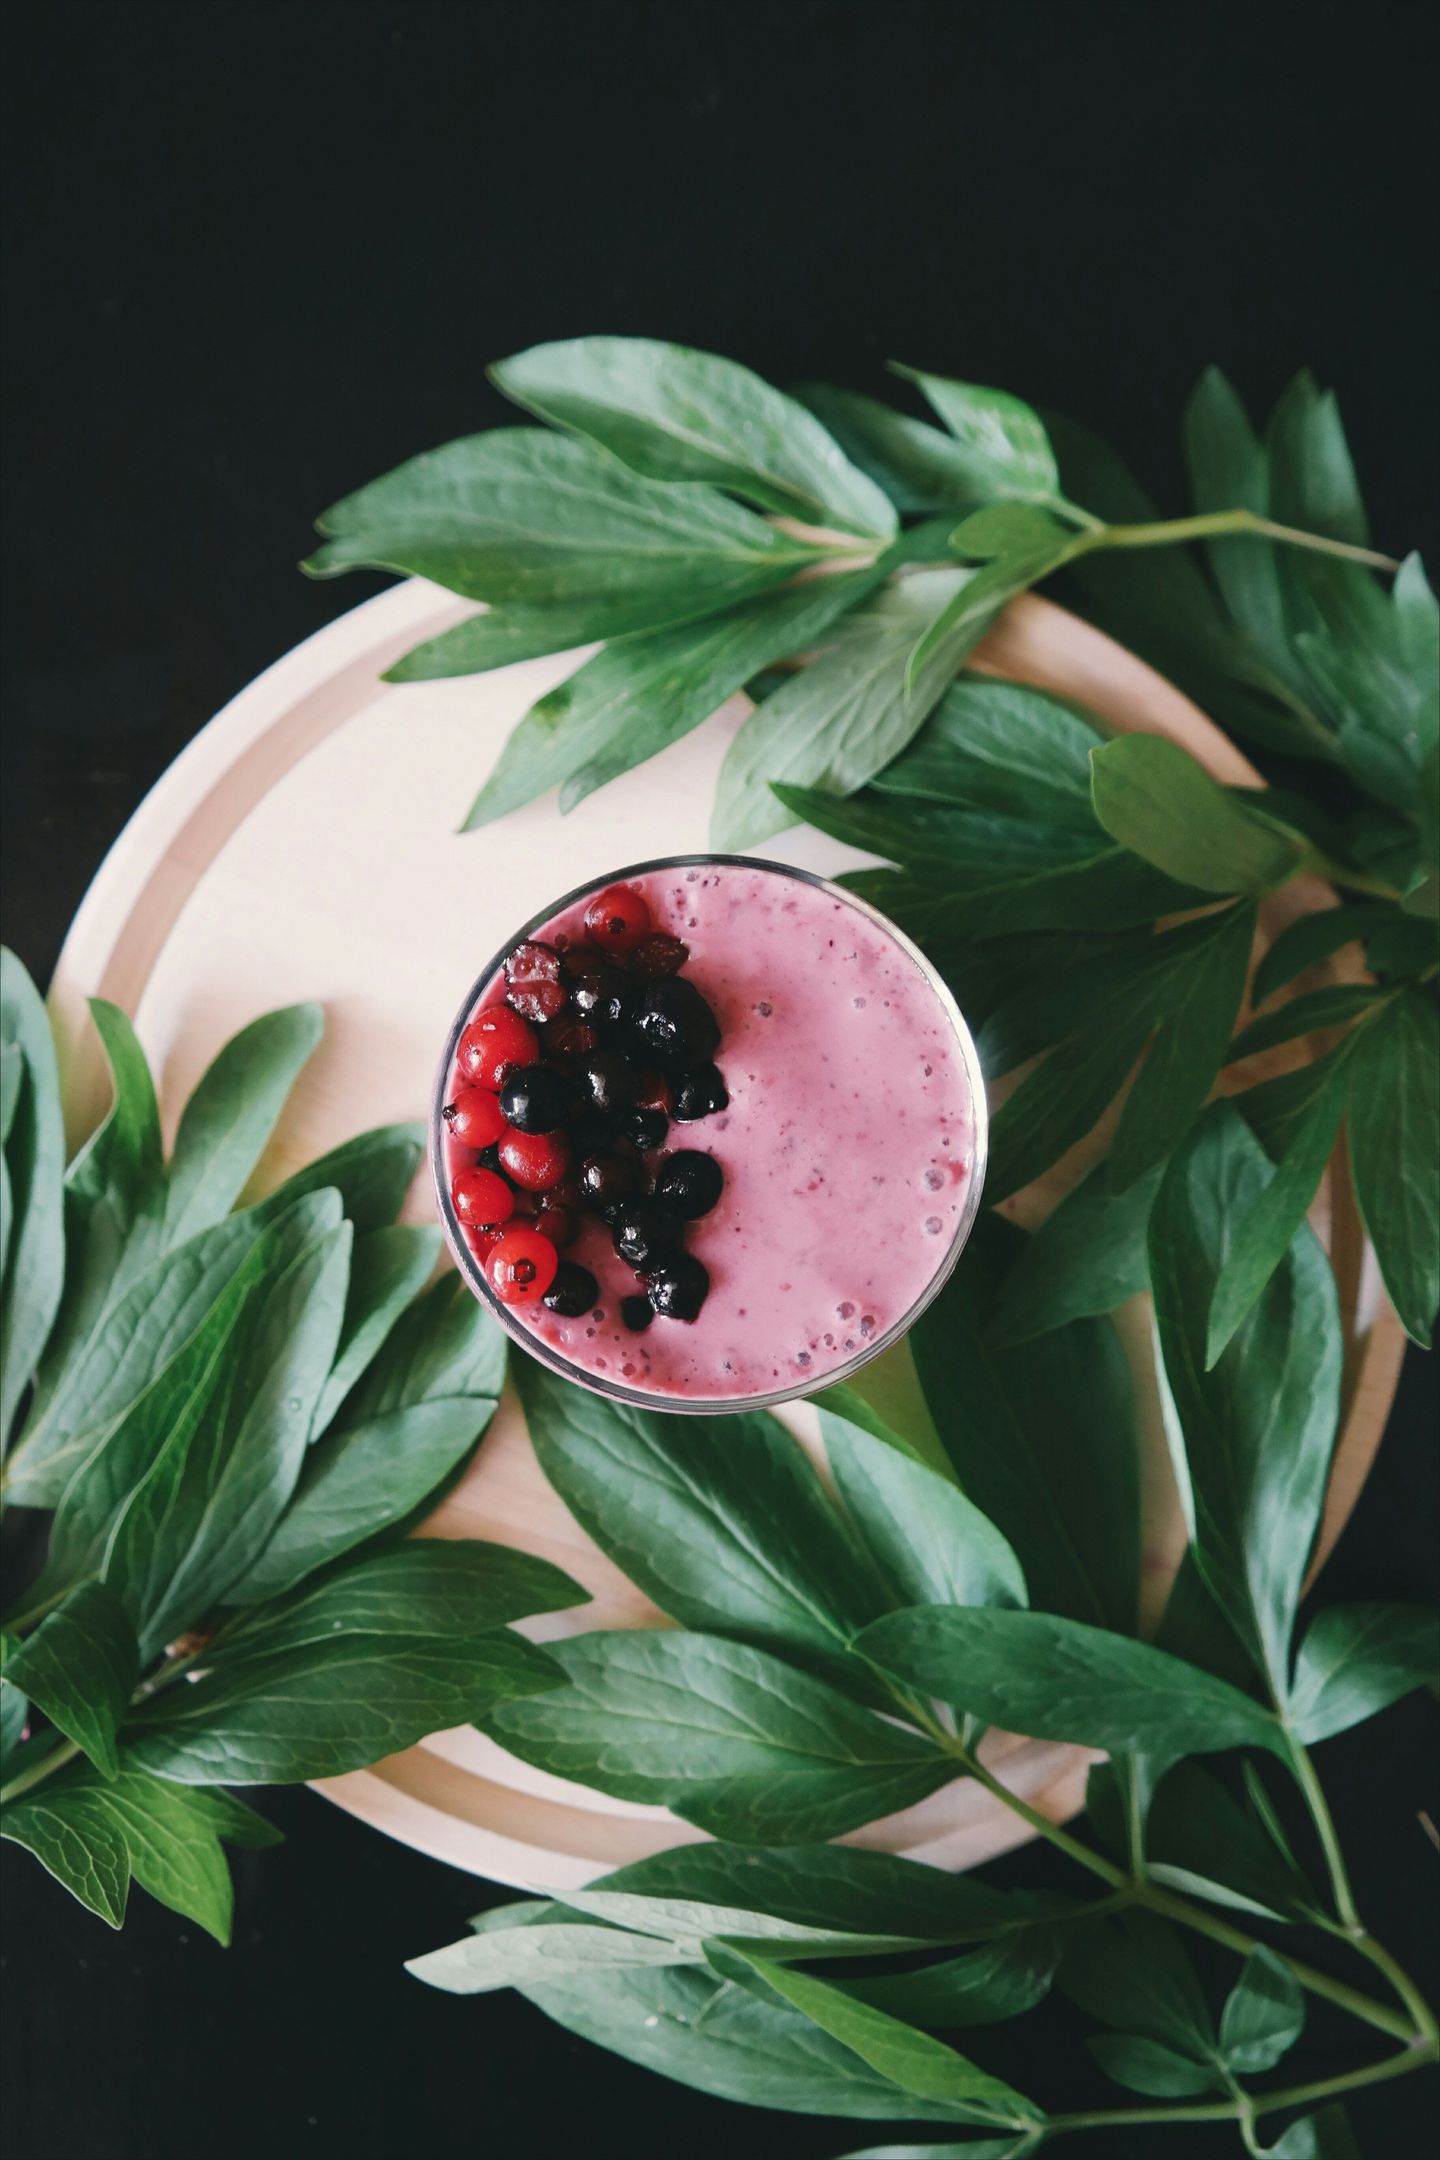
304, 846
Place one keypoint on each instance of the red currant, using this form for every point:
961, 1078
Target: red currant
520, 1267
483, 1242
569, 1037
495, 1040
481, 1199
475, 1118
535, 1160
617, 919
532, 976
558, 1224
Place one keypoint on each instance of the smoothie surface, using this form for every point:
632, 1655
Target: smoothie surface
847, 1147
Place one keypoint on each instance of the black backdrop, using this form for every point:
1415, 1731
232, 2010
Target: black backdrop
258, 252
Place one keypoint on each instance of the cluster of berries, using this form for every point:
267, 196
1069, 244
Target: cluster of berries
562, 1091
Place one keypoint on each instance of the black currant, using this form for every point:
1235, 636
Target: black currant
646, 1233
679, 1287
537, 1098
573, 1291
689, 1182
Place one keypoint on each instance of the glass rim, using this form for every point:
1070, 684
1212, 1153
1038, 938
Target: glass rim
653, 1398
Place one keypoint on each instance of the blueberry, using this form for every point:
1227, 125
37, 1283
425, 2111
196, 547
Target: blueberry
537, 1098
609, 1180
573, 1291
680, 1287
700, 1093
646, 1129
673, 1024
607, 1082
489, 1159
637, 1313
689, 1182
605, 997
646, 1233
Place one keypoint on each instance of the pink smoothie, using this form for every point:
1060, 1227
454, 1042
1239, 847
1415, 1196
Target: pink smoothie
848, 1147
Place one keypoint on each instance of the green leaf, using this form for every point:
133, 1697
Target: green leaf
919, 468
529, 1956
909, 2059
638, 696
1040, 545
372, 1174
1055, 1106
1133, 1972
1229, 471
1042, 1438
367, 1663
80, 1667
1264, 2014
1314, 1012
688, 1922
521, 514
930, 1545
731, 1738
1154, 799
1257, 1431
672, 413
1203, 1842
1004, 443
1055, 1679
1003, 2148
1087, 1258
35, 1167
1145, 2066
1311, 939
721, 1521
387, 1269
500, 636
232, 1114
1001, 529
689, 2026
1263, 1235
444, 1344
1393, 1114
839, 720
73, 1832
1357, 1659
984, 1987
14, 1710
359, 1480
1326, 2136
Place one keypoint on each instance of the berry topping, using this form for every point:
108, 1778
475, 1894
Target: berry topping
680, 1287
537, 1098
573, 1291
568, 1037
658, 955
532, 975
654, 1092
604, 997
637, 1313
558, 1224
475, 1118
700, 1093
481, 1199
689, 1182
674, 1025
646, 1129
492, 1043
535, 1160
608, 1082
617, 919
582, 959
521, 1266
483, 1242
646, 1233
608, 1180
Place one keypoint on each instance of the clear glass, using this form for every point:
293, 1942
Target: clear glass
657, 1399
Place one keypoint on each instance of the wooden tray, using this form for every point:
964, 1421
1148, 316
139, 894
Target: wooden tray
304, 846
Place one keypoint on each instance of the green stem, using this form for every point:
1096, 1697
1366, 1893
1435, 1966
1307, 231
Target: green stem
1218, 524
1269, 2103
1303, 1771
24, 1779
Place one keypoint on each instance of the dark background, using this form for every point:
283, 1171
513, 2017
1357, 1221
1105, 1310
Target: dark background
256, 254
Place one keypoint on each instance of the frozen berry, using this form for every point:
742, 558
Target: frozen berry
617, 919
569, 1037
494, 1041
637, 1313
673, 1024
481, 1199
573, 1291
475, 1118
521, 1266
654, 1092
537, 1098
658, 955
532, 978
535, 1160
646, 1233
646, 1129
689, 1182
608, 1180
558, 1224
582, 959
700, 1093
604, 998
680, 1287
607, 1082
